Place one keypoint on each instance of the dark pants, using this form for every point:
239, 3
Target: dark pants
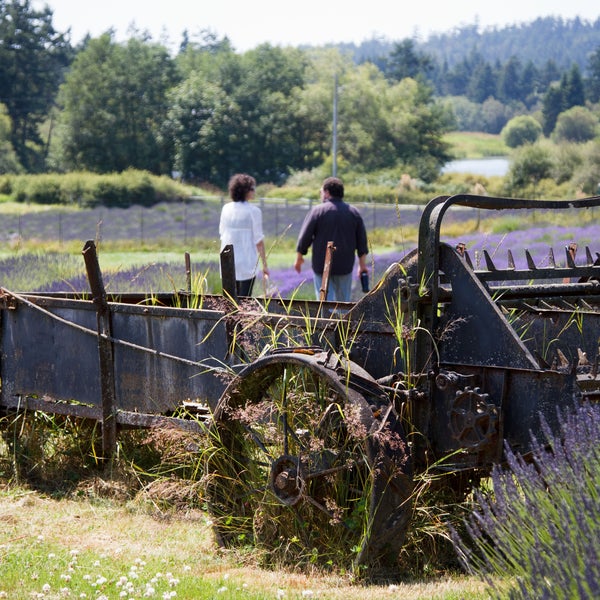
244, 287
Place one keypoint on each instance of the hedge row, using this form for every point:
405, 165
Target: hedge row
89, 189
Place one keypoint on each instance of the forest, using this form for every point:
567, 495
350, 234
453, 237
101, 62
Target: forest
208, 111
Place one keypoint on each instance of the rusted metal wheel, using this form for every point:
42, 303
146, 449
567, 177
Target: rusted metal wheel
310, 463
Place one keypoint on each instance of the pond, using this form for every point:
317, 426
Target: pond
489, 167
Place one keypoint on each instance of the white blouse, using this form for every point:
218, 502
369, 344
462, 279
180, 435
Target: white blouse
241, 226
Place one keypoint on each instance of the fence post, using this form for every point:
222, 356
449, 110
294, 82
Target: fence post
326, 271
105, 351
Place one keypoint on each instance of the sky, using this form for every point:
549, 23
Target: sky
314, 22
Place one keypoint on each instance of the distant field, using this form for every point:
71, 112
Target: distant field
469, 144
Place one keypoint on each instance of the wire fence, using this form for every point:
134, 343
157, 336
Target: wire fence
194, 218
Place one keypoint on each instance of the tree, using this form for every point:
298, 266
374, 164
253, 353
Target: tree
577, 125
530, 164
9, 162
573, 92
593, 82
233, 114
482, 84
509, 85
114, 101
552, 106
406, 61
521, 130
33, 58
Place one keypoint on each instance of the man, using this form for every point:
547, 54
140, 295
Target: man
333, 221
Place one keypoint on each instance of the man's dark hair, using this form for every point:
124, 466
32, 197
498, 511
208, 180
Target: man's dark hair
334, 186
239, 186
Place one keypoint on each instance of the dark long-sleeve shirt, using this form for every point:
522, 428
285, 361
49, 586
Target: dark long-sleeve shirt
333, 221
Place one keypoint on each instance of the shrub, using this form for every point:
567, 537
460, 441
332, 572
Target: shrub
521, 130
91, 189
539, 530
578, 124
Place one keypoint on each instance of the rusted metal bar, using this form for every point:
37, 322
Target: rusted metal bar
228, 272
326, 271
105, 350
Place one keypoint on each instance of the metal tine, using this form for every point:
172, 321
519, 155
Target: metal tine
530, 264
588, 257
468, 259
570, 252
511, 260
564, 362
489, 262
551, 258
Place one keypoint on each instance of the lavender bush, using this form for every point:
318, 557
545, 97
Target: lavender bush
538, 532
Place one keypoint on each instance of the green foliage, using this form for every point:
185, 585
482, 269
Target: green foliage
530, 164
89, 189
9, 162
577, 124
33, 57
113, 101
539, 526
521, 130
468, 144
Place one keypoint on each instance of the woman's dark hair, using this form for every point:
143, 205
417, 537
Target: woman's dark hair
334, 186
239, 186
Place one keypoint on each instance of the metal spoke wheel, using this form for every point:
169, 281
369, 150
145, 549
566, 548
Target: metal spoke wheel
310, 463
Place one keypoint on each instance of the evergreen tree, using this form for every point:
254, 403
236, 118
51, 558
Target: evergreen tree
405, 61
573, 92
509, 84
482, 84
593, 82
552, 106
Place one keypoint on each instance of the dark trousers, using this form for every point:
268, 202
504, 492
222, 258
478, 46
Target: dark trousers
244, 287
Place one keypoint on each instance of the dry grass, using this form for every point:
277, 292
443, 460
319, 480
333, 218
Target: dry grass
134, 531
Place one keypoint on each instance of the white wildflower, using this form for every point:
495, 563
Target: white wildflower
46, 588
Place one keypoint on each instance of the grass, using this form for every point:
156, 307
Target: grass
110, 549
140, 528
465, 144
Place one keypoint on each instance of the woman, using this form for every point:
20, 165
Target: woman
241, 226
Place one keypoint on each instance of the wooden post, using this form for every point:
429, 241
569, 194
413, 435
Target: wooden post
228, 272
326, 271
188, 277
105, 351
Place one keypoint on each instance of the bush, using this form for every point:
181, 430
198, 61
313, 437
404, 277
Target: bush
538, 532
90, 189
521, 130
578, 124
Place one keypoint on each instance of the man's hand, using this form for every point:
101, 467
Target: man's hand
298, 263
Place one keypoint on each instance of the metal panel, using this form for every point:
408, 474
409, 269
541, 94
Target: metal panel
163, 356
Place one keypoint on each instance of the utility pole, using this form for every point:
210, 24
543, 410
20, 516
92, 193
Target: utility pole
335, 108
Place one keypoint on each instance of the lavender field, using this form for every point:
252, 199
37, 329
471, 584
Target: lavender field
194, 224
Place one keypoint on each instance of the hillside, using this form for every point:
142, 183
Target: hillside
572, 41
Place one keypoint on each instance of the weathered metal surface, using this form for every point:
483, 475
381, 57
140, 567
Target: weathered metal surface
162, 356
